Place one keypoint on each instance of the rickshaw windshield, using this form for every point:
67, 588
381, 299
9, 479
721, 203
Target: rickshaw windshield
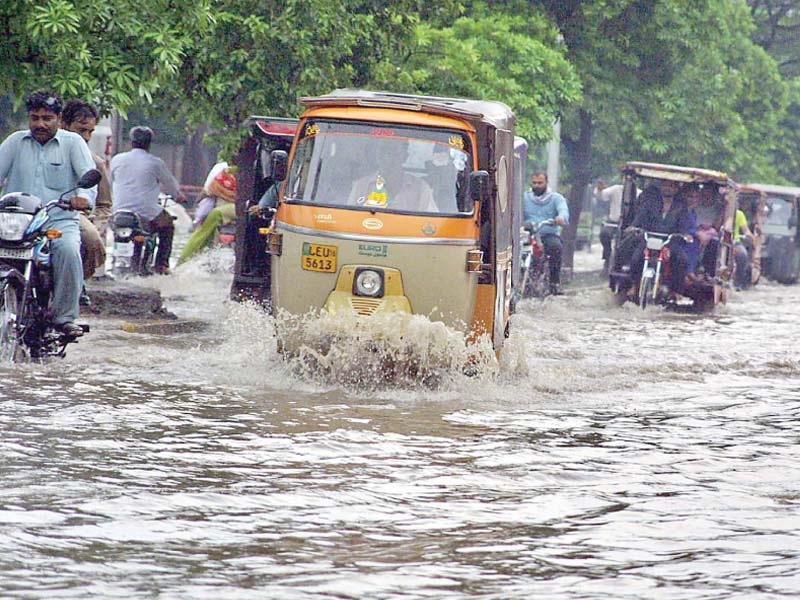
386, 167
777, 213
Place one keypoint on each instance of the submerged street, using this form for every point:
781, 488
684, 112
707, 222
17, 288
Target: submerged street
618, 453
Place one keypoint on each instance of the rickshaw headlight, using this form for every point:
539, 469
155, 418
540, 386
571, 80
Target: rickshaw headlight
368, 282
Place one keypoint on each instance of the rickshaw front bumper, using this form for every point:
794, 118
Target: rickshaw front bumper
368, 290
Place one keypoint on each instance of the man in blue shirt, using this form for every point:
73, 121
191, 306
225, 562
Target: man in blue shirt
541, 204
46, 161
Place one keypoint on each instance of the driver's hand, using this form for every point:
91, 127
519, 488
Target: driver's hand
181, 197
79, 203
561, 221
255, 210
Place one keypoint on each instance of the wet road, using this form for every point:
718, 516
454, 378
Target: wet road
617, 454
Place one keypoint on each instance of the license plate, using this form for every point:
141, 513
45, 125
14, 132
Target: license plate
317, 257
17, 253
124, 249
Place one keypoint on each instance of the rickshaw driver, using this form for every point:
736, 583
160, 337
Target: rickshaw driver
390, 186
661, 212
541, 204
743, 243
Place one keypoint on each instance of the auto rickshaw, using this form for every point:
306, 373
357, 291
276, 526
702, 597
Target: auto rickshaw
251, 277
779, 231
708, 279
392, 203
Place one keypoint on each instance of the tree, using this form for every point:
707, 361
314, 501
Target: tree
263, 54
778, 32
115, 52
658, 84
514, 58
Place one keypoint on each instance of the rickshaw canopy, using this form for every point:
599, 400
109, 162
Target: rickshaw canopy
775, 190
678, 173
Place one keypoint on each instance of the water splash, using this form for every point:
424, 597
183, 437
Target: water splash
394, 349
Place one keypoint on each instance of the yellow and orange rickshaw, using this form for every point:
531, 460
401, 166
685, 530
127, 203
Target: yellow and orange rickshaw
394, 203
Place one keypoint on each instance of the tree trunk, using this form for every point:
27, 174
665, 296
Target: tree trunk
195, 159
578, 152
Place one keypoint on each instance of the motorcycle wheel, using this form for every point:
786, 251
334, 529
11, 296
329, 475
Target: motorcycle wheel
9, 314
148, 258
527, 283
645, 291
538, 279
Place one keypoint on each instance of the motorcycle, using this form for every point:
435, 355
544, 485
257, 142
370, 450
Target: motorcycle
134, 243
535, 264
656, 267
26, 277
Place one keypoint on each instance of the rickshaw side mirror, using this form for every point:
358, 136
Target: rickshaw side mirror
478, 185
279, 164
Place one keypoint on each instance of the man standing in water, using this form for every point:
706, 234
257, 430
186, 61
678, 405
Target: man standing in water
541, 204
46, 161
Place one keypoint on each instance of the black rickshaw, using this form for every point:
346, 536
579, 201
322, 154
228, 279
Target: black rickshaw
251, 278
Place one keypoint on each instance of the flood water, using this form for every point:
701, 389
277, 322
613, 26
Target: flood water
616, 453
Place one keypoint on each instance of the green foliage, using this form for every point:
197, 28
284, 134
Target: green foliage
778, 25
118, 53
512, 58
670, 81
261, 56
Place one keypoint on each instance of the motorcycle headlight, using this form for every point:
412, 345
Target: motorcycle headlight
368, 282
13, 226
123, 232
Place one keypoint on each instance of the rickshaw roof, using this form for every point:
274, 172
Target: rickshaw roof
777, 190
495, 113
275, 127
678, 173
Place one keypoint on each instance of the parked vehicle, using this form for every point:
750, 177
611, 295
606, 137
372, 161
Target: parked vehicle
713, 282
26, 276
780, 233
388, 206
535, 264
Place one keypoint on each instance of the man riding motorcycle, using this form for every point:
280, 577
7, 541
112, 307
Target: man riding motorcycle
541, 204
661, 211
47, 162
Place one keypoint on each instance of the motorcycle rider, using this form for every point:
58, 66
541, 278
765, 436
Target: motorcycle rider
137, 177
541, 204
742, 248
46, 161
661, 210
81, 118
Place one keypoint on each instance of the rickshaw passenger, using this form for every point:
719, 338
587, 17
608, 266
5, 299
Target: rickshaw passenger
742, 239
390, 186
708, 218
661, 212
541, 204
